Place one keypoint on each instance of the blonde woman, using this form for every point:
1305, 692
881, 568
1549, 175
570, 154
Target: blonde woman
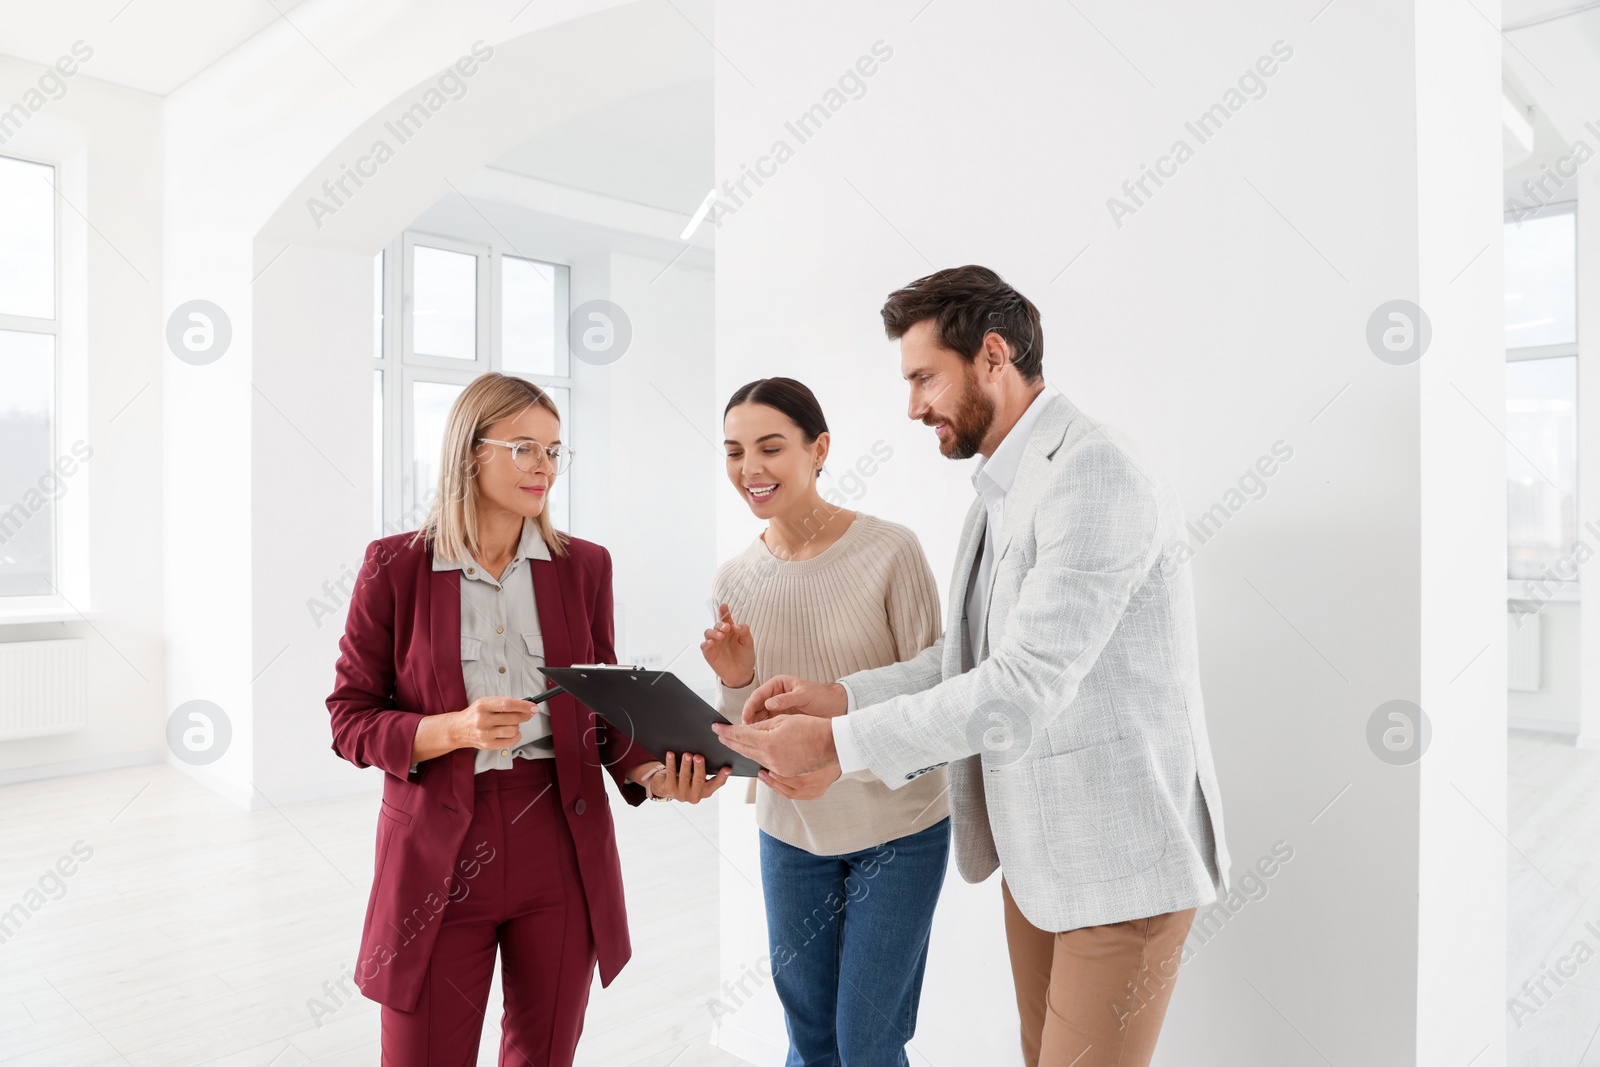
494, 830
851, 874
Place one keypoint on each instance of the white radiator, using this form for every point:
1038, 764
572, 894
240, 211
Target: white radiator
1524, 651
44, 687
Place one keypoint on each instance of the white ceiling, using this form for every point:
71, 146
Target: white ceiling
1555, 66
652, 149
1519, 12
151, 45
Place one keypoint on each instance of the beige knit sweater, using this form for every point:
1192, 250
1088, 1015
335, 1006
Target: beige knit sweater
867, 600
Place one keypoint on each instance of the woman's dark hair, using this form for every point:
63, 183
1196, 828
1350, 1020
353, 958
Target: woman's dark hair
792, 398
967, 303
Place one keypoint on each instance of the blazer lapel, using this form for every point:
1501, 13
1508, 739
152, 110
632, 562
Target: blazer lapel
1032, 476
449, 684
1032, 472
549, 595
972, 534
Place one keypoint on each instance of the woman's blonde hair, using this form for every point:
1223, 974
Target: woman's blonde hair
451, 528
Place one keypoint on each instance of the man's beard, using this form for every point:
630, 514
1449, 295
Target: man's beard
970, 421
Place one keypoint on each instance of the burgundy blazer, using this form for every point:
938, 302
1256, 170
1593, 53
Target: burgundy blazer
400, 659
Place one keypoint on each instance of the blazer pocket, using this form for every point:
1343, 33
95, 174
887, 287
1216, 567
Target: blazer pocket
1101, 815
397, 814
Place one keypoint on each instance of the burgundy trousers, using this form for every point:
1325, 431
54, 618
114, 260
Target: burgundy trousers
527, 901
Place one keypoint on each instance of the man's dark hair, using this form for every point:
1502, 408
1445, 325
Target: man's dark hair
965, 304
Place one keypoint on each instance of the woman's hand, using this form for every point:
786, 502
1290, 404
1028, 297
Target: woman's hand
492, 722
687, 782
730, 651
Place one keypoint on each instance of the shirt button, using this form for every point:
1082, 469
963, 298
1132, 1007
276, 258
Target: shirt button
471, 570
499, 629
502, 670
505, 752
578, 806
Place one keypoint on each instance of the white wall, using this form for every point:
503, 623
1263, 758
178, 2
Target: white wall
106, 143
310, 472
665, 465
1228, 313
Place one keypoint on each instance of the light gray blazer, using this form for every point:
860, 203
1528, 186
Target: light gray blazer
1082, 766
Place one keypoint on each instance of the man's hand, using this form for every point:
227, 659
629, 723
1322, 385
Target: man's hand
787, 745
787, 694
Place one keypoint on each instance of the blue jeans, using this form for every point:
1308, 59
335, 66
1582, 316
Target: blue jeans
849, 942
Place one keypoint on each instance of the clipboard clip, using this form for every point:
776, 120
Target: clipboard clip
556, 690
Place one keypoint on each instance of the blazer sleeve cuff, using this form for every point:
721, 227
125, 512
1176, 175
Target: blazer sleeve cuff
624, 756
393, 751
877, 750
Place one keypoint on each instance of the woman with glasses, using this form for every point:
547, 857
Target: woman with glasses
850, 874
494, 831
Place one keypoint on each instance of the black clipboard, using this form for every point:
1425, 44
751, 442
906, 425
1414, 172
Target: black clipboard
655, 708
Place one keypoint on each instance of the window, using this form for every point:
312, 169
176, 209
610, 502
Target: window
1542, 397
471, 308
29, 381
1542, 476
1542, 281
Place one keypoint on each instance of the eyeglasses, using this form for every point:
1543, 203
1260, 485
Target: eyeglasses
526, 454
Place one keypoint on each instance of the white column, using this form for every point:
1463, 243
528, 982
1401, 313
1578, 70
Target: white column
1460, 851
1588, 465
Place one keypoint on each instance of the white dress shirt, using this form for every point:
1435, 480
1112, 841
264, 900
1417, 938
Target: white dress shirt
992, 478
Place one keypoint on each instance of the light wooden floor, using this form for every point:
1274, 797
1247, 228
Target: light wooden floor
196, 933
1553, 807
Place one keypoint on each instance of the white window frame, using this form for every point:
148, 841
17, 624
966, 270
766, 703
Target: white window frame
1561, 590
403, 367
68, 325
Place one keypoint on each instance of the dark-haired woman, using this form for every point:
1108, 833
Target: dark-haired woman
850, 874
495, 831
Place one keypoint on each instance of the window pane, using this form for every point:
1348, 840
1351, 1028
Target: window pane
444, 311
430, 405
377, 306
528, 316
377, 453
560, 504
29, 481
27, 239
1541, 281
1542, 425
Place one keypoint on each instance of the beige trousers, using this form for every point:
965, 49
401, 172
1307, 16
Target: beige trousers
1096, 996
